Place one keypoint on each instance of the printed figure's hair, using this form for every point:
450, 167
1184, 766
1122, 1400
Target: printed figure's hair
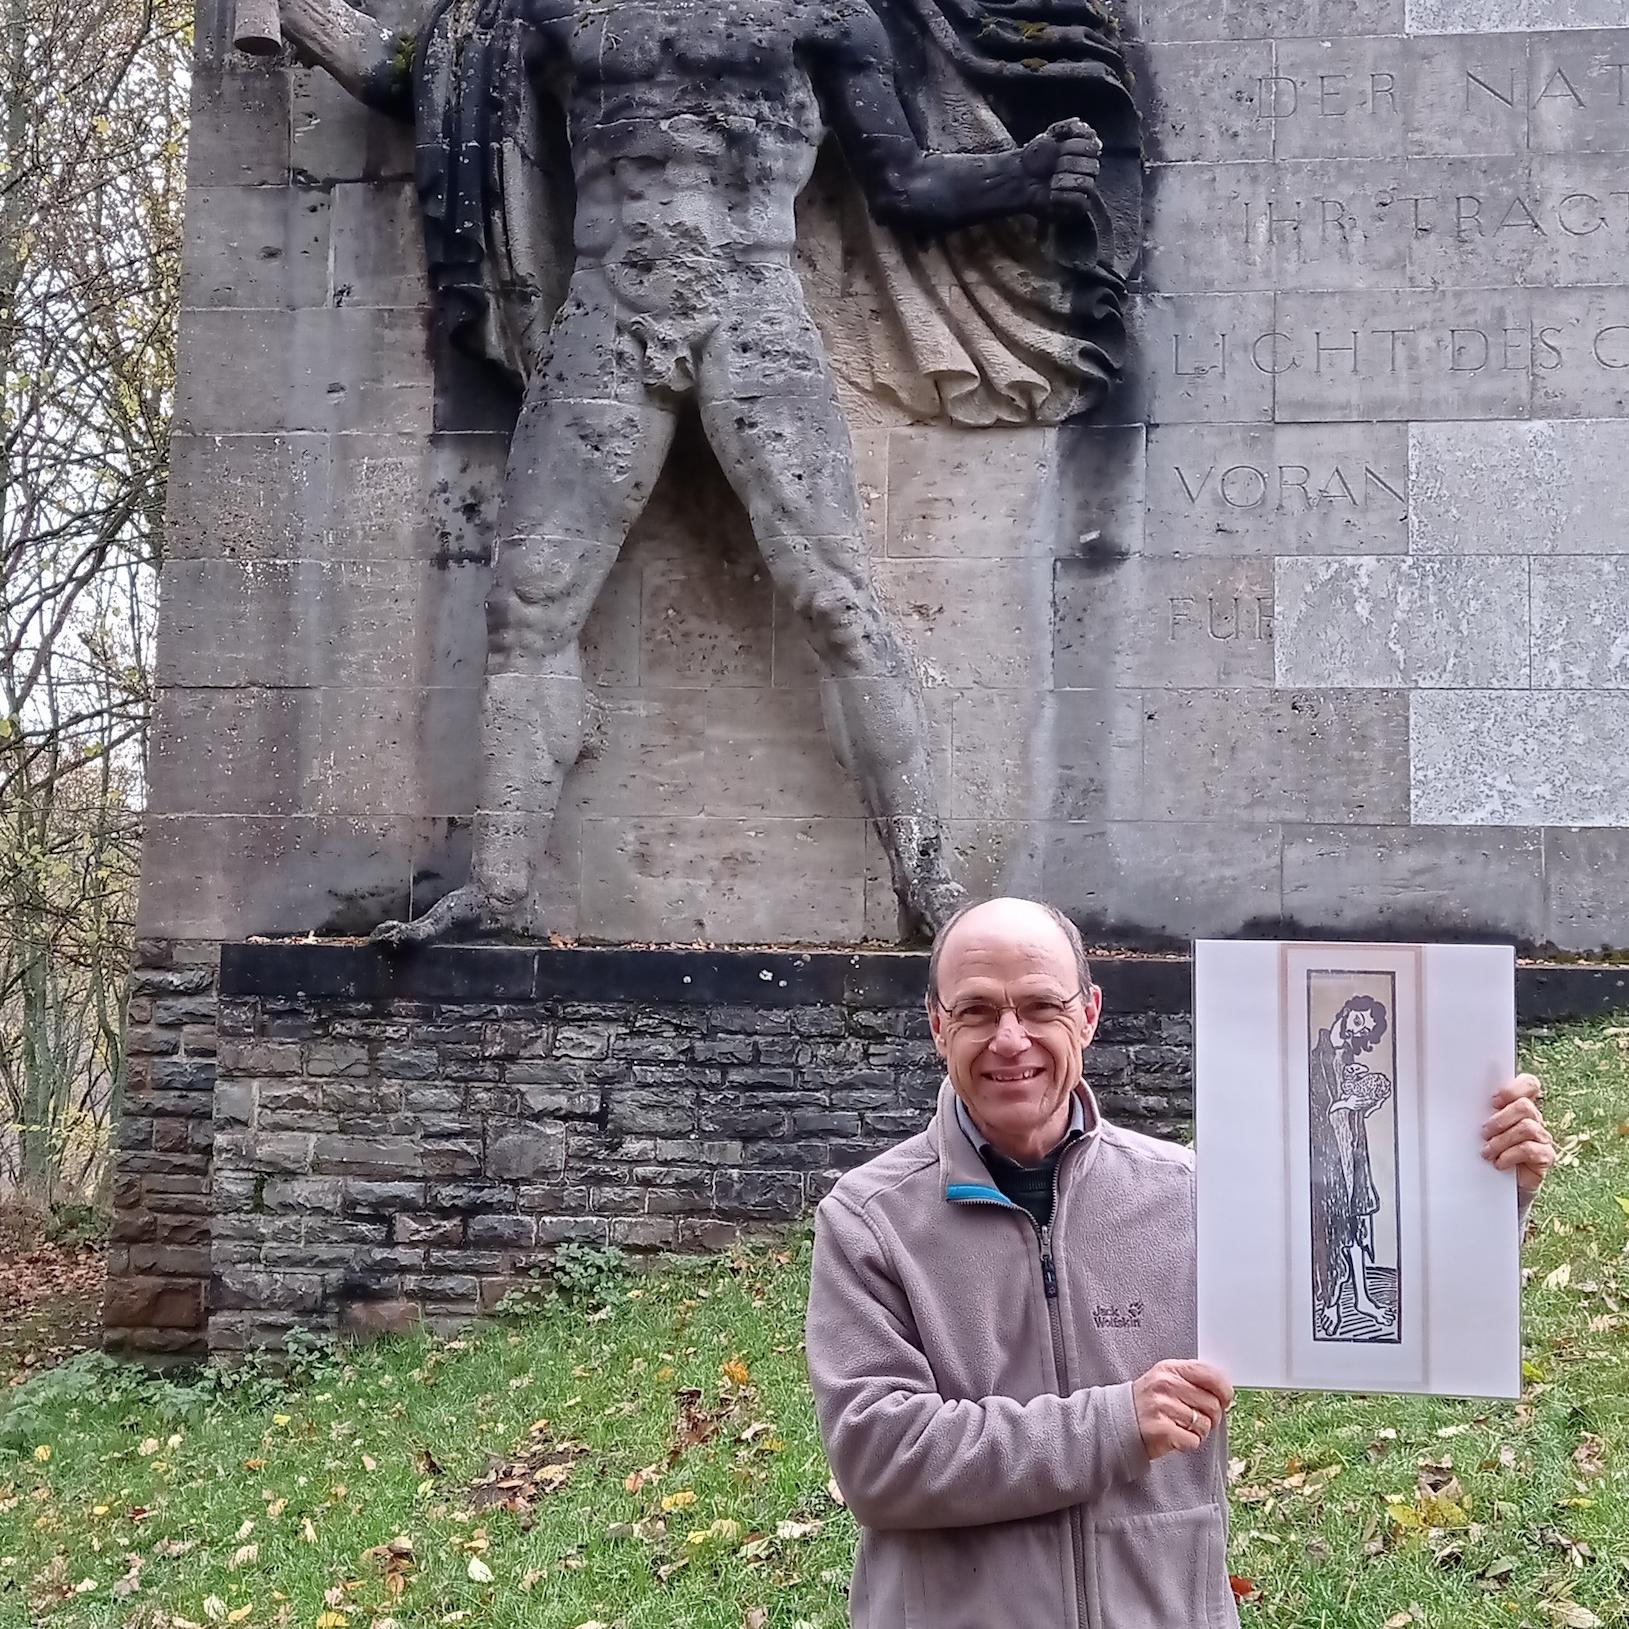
1375, 1009
1070, 932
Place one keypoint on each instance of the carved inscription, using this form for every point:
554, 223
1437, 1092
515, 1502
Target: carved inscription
1534, 348
1222, 616
1288, 488
1587, 83
1466, 217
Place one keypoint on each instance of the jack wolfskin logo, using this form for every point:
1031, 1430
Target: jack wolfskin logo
1128, 1317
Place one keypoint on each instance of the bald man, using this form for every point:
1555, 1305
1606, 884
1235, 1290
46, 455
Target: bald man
1002, 1318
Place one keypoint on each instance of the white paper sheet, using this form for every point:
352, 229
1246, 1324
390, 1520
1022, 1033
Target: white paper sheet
1351, 1237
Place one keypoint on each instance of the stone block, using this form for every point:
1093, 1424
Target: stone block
240, 129
1164, 623
706, 620
646, 752
1580, 346
366, 1321
1267, 19
1205, 103
322, 622
153, 1303
651, 1113
976, 495
705, 878
612, 638
1583, 879
1266, 756
345, 369
378, 244
255, 247
302, 1195
371, 1158
1467, 95
1516, 488
1204, 359
1495, 16
759, 1193
1405, 883
1386, 623
553, 1230
1341, 98
1519, 758
335, 138
1280, 489
1022, 756
1575, 91
525, 1156
1218, 228
644, 1232
1444, 354
766, 752
1162, 883
969, 626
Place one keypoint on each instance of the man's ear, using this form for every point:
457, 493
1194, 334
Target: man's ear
936, 1025
1094, 1012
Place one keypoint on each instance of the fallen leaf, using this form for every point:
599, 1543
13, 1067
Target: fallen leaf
239, 1613
678, 1501
756, 1617
1244, 1589
1569, 1615
1560, 1278
215, 1609
478, 1570
736, 1372
796, 1530
833, 1492
243, 1556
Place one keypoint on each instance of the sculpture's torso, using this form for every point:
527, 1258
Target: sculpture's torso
694, 123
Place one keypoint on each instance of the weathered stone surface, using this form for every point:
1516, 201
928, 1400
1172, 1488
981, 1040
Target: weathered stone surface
1583, 880
1404, 883
1516, 488
1284, 489
1499, 16
1204, 104
1581, 623
1268, 19
251, 246
1300, 755
1379, 623
1519, 758
1164, 623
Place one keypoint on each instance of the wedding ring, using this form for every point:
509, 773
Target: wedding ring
1193, 1421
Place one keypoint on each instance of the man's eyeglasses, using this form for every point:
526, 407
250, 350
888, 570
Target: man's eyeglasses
977, 1017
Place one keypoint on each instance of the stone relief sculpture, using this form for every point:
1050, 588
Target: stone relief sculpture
610, 194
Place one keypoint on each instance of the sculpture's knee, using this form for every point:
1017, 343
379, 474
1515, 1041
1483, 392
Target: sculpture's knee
534, 613
850, 634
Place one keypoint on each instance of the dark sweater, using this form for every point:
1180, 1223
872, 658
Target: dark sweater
1032, 1186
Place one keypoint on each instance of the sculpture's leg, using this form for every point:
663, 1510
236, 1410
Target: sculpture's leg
580, 471
788, 455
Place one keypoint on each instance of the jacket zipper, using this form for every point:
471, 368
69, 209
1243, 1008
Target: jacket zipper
1049, 1283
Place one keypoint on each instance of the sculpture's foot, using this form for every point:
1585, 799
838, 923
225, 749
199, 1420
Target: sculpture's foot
931, 899
465, 907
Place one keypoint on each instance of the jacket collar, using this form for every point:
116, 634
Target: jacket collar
963, 1174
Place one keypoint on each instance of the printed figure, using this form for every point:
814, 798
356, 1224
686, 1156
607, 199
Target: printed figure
1343, 1093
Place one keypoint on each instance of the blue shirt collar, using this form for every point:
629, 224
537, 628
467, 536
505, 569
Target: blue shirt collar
1077, 1124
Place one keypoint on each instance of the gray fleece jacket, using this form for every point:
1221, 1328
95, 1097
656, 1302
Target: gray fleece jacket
972, 1377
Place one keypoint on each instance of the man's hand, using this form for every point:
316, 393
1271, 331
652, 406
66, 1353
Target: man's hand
1062, 164
1179, 1402
1515, 1137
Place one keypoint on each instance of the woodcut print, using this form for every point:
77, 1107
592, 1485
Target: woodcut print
1353, 1172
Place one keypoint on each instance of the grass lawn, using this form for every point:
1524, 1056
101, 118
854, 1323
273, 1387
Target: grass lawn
643, 1455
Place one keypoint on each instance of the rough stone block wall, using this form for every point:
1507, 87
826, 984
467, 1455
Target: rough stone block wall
407, 1153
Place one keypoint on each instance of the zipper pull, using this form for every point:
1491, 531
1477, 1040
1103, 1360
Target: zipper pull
1049, 1277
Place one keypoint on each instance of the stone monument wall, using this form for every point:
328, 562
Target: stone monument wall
1321, 625
1318, 627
